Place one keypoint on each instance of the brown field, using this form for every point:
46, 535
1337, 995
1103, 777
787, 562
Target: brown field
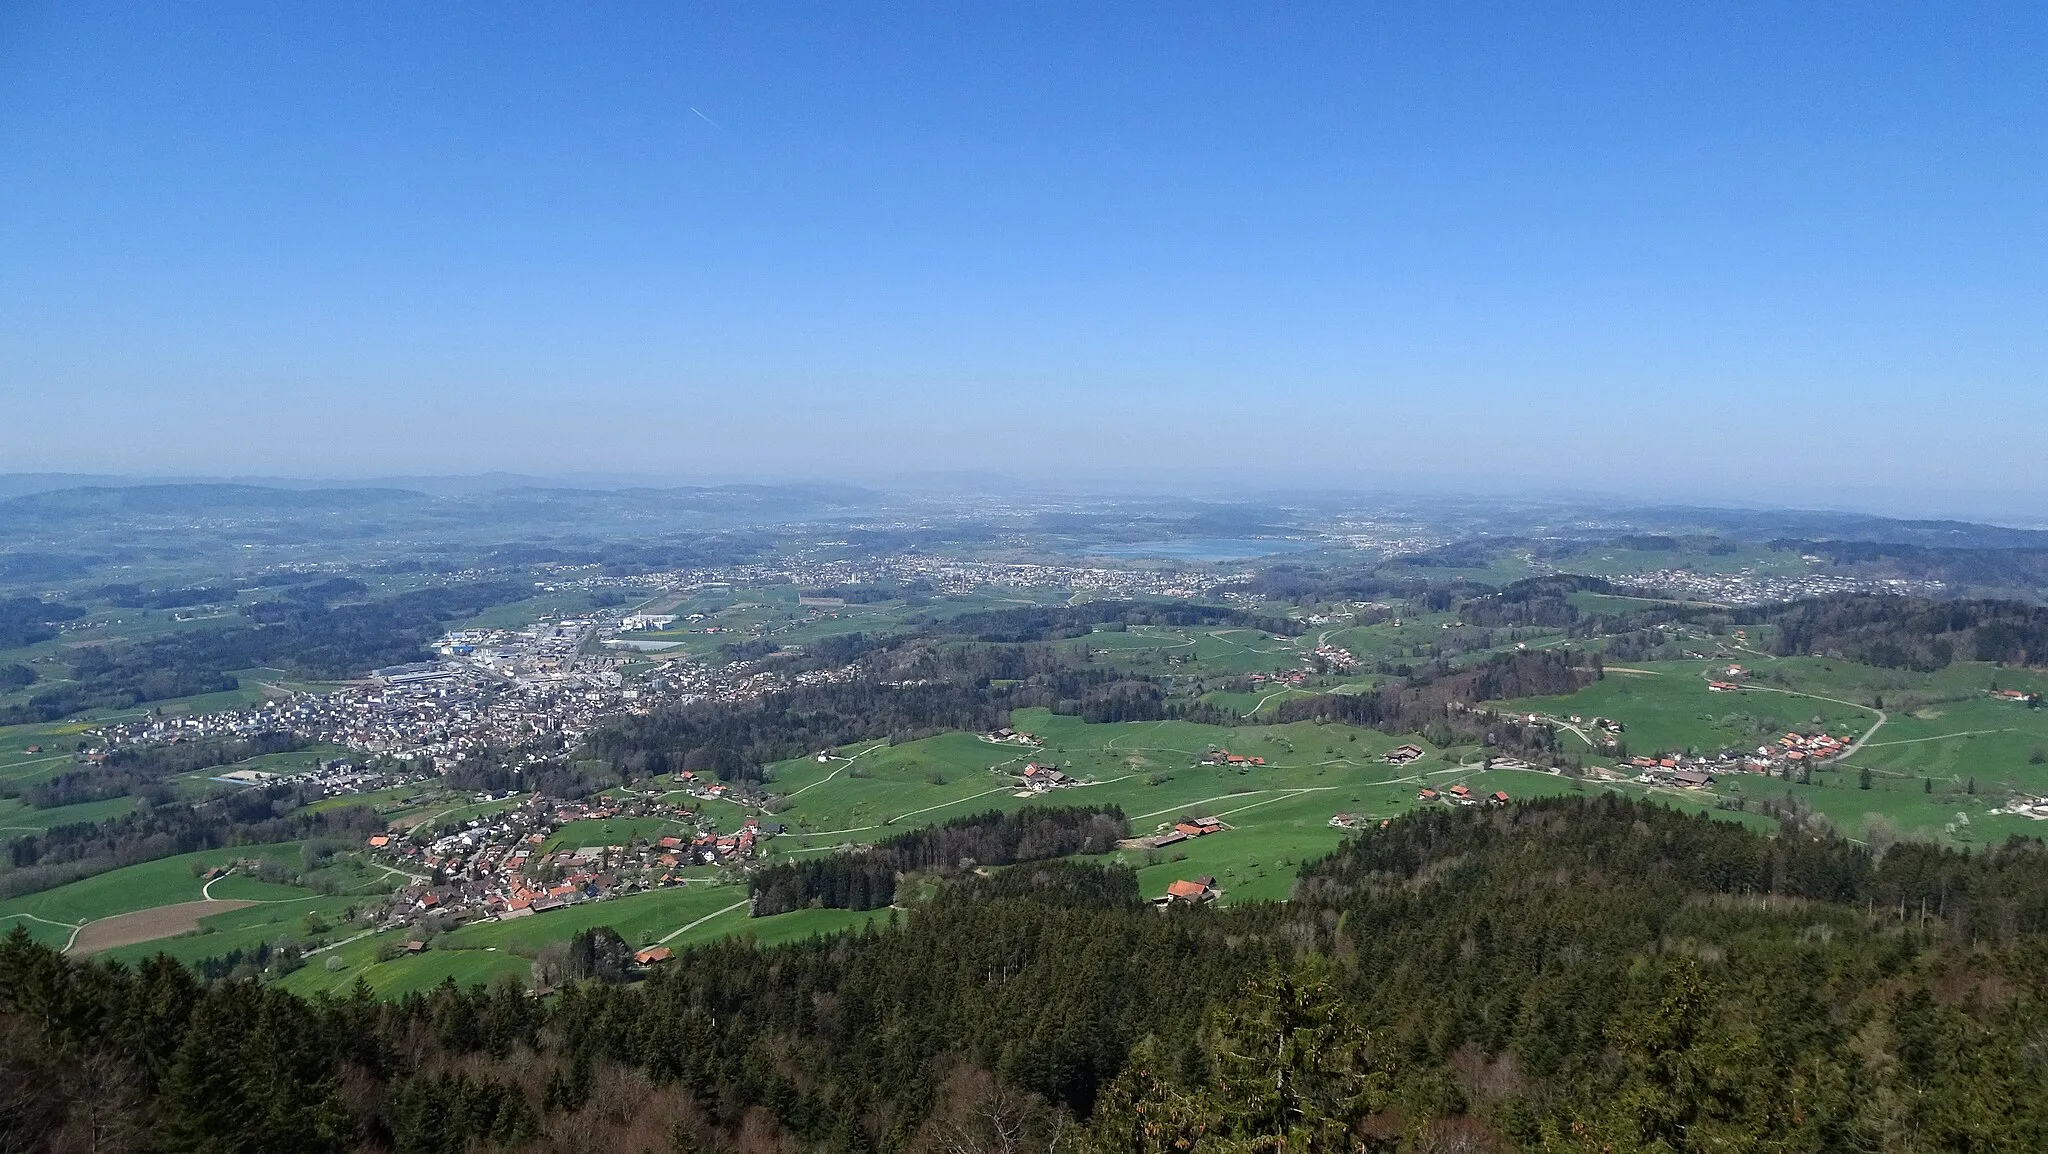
147, 925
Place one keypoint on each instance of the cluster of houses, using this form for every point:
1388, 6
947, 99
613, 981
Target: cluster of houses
1186, 829
1733, 684
1339, 660
2022, 806
1790, 752
1798, 747
1038, 778
1008, 736
1606, 725
1462, 794
1233, 760
1685, 773
500, 867
1402, 754
2019, 695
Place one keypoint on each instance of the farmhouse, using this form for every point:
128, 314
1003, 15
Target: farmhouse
1402, 754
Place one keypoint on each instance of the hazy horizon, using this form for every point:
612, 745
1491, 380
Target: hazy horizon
2014, 510
1780, 254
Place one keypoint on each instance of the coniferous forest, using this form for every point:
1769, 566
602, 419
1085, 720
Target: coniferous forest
1572, 975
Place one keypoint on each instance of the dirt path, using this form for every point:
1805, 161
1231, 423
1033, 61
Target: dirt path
842, 765
146, 925
702, 920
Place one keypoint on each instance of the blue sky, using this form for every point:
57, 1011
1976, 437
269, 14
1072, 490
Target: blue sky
1701, 250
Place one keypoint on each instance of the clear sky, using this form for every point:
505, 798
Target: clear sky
1686, 249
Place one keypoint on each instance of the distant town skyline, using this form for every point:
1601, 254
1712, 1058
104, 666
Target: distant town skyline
1772, 253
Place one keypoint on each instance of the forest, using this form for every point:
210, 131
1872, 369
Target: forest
1441, 702
144, 770
27, 620
1586, 975
1912, 633
866, 878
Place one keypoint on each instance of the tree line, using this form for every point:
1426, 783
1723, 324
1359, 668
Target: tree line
256, 816
1910, 632
865, 878
1570, 975
145, 770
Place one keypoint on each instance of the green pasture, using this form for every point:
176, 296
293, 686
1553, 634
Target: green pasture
246, 929
482, 950
1197, 652
1253, 702
1951, 741
17, 819
1149, 769
615, 831
168, 881
402, 975
1670, 708
795, 925
487, 951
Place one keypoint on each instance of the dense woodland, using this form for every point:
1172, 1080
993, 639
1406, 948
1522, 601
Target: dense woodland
1911, 633
866, 878
27, 620
1442, 703
1569, 975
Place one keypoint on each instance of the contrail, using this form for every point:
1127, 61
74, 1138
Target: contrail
707, 120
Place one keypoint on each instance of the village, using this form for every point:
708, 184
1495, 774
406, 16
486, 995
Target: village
501, 867
520, 695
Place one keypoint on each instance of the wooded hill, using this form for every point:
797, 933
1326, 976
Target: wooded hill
1911, 633
1568, 975
865, 878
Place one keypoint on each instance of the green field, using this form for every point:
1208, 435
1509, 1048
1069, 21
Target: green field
1280, 812
51, 914
1942, 733
483, 950
616, 831
244, 929
1190, 652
